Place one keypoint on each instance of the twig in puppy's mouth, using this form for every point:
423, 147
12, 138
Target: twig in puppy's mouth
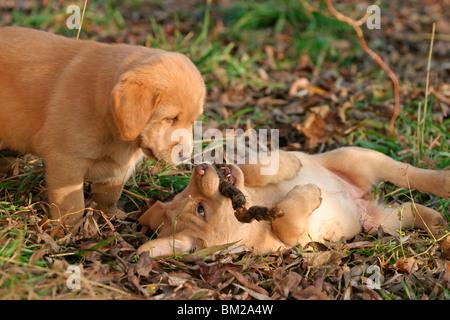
228, 190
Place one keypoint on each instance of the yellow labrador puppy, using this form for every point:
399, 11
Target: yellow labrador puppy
317, 197
92, 110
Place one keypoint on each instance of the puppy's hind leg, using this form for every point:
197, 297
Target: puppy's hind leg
364, 167
410, 215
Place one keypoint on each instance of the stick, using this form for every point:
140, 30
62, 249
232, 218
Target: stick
238, 201
430, 53
82, 18
375, 56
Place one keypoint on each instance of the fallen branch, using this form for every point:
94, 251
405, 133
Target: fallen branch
356, 25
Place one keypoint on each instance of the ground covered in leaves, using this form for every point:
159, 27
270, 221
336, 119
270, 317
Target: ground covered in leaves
274, 64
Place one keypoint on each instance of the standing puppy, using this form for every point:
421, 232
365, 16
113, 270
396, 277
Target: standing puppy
92, 110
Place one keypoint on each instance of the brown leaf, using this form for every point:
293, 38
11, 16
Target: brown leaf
135, 282
320, 259
177, 278
144, 265
445, 245
400, 266
253, 293
270, 52
312, 292
341, 110
244, 281
285, 283
298, 87
316, 246
305, 64
317, 126
316, 90
447, 272
235, 98
42, 235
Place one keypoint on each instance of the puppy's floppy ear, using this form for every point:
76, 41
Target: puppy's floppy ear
154, 216
133, 99
166, 246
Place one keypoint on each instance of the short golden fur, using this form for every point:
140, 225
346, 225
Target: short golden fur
92, 110
322, 197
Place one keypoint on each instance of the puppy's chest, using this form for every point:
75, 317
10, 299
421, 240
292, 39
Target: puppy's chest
114, 167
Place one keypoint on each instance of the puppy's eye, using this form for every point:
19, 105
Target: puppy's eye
201, 210
171, 120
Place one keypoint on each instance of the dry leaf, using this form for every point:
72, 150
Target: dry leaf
312, 292
299, 85
243, 280
445, 246
315, 127
285, 282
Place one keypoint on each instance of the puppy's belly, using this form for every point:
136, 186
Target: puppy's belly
336, 219
16, 142
339, 215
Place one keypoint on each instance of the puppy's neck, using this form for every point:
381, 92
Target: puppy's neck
260, 238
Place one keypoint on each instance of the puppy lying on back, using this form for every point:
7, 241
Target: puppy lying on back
320, 197
92, 110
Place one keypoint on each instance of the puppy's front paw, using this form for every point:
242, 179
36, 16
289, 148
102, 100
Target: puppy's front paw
308, 197
445, 191
116, 214
290, 165
312, 194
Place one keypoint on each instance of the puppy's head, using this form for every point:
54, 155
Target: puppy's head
197, 217
156, 104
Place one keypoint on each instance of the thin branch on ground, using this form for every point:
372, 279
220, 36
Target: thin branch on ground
355, 24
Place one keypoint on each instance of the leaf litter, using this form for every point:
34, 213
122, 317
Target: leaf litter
110, 268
